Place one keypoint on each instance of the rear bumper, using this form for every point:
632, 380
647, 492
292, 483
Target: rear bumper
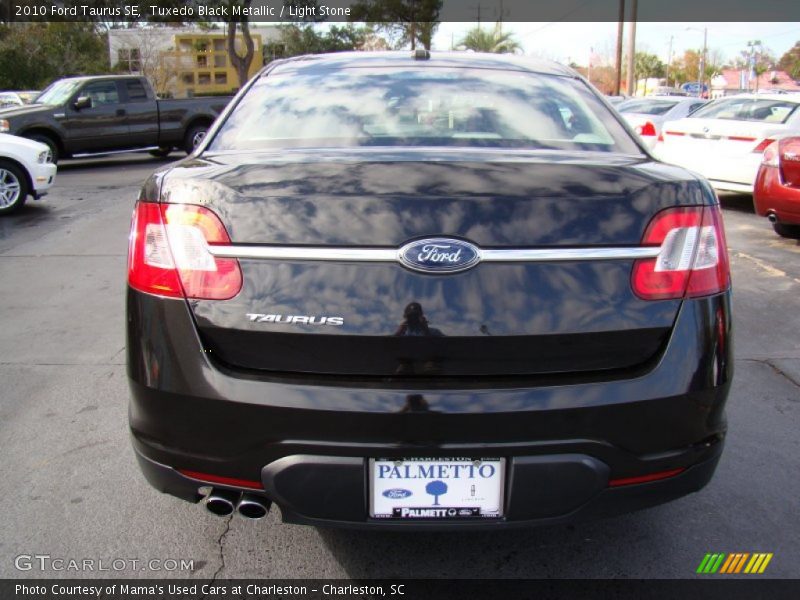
333, 491
771, 196
728, 172
564, 437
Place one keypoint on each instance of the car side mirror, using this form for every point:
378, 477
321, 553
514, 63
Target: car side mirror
82, 102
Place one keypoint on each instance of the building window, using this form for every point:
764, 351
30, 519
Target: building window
220, 78
187, 78
130, 59
204, 78
202, 60
219, 45
220, 61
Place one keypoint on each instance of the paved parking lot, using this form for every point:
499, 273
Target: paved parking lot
71, 488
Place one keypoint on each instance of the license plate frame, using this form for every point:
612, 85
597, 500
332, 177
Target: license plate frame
472, 494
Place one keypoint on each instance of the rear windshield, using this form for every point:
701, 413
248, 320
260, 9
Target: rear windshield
421, 107
647, 107
747, 109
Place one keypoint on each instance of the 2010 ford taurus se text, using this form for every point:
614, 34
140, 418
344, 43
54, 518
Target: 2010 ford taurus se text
426, 291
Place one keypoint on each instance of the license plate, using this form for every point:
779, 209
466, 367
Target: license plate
436, 488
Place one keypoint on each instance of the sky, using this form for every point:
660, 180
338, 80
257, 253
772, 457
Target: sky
565, 42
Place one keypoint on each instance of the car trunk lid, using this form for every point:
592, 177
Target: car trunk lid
380, 318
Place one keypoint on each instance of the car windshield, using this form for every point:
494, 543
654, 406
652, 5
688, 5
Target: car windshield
647, 107
59, 92
28, 97
747, 109
421, 107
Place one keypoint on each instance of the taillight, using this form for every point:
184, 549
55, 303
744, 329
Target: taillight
168, 253
763, 145
772, 156
647, 130
693, 260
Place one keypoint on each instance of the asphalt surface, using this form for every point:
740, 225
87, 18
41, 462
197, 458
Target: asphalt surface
71, 488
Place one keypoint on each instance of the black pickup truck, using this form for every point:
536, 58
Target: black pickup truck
100, 114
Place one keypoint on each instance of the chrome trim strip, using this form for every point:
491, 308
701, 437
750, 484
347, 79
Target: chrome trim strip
332, 253
558, 254
329, 253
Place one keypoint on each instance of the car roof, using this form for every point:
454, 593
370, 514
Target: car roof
790, 97
99, 77
475, 60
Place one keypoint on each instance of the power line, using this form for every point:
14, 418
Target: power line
561, 18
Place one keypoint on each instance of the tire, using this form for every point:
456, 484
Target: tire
14, 188
194, 135
161, 152
47, 141
787, 231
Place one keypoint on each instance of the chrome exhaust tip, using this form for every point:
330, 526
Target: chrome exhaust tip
222, 502
253, 507
772, 218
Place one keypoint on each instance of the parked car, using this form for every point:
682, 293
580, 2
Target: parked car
725, 139
377, 297
96, 115
664, 90
26, 168
616, 100
648, 115
8, 99
777, 189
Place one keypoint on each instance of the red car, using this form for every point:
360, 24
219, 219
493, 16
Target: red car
777, 189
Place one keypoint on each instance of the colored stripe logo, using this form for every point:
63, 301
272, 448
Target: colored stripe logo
737, 562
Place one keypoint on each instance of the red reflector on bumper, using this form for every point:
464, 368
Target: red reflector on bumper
645, 478
232, 481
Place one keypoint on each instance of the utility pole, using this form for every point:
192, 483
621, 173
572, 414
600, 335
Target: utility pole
618, 66
631, 81
669, 58
703, 63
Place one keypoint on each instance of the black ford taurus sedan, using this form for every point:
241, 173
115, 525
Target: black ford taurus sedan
426, 291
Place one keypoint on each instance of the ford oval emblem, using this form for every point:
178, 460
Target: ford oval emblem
397, 493
439, 255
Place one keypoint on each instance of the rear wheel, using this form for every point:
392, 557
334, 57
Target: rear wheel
787, 231
47, 141
14, 188
161, 152
194, 135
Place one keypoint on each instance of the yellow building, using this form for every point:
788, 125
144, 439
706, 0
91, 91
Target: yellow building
201, 64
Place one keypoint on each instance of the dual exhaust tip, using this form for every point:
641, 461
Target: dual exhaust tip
251, 506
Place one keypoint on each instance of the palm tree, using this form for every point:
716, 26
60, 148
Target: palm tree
490, 41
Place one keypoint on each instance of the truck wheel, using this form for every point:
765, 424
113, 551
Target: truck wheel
14, 188
787, 231
47, 141
161, 152
194, 135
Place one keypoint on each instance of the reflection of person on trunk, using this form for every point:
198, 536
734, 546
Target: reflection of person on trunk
415, 323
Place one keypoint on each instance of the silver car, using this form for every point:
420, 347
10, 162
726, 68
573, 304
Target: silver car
648, 115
